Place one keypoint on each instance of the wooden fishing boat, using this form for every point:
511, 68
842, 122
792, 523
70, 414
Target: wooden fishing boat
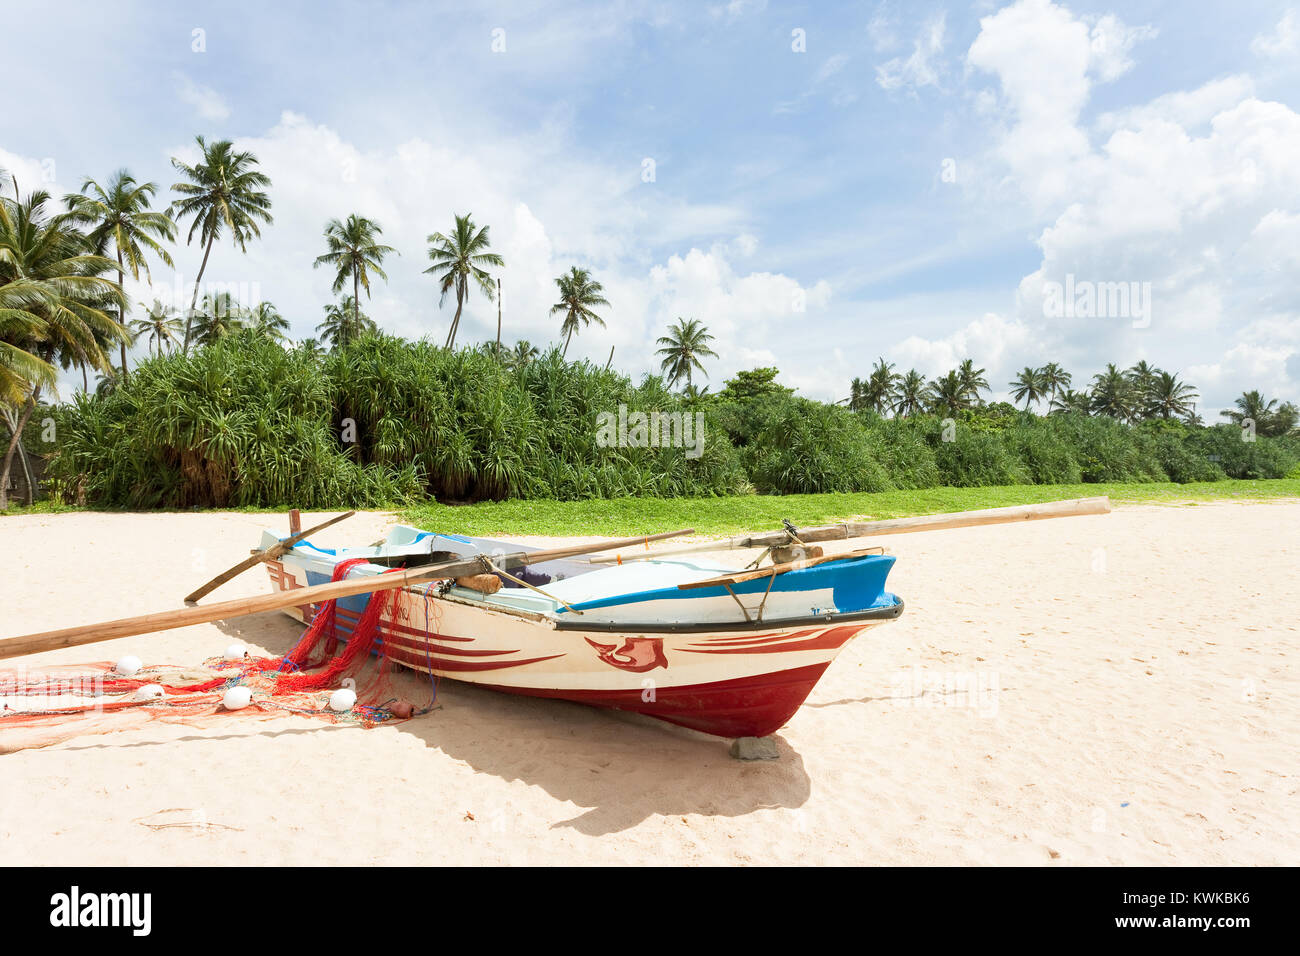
727, 652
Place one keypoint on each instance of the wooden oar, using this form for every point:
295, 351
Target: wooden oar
182, 617
270, 554
839, 532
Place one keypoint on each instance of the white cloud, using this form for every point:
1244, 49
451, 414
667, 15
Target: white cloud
995, 342
30, 173
1187, 108
1243, 367
1111, 42
208, 104
1187, 192
918, 69
1283, 41
742, 311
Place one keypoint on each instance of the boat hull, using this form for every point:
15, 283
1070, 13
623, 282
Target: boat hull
731, 681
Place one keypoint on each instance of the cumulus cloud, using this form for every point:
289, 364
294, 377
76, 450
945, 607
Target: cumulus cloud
744, 311
31, 173
1187, 108
1110, 43
993, 341
1194, 194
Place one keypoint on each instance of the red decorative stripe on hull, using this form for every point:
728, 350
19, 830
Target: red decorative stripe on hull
744, 707
762, 638
831, 638
420, 661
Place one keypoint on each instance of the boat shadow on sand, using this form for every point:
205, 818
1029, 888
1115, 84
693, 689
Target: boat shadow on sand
623, 768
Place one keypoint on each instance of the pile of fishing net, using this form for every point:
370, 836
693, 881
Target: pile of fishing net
315, 679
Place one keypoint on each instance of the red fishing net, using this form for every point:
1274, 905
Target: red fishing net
51, 704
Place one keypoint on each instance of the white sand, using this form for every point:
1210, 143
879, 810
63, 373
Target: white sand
1132, 700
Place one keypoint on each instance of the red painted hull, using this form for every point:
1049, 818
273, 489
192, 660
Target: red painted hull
745, 707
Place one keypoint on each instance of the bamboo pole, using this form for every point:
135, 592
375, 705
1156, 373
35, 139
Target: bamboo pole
271, 553
183, 617
839, 532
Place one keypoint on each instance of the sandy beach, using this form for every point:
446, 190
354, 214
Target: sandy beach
1102, 690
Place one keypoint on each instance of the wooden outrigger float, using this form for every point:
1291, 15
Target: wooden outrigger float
724, 650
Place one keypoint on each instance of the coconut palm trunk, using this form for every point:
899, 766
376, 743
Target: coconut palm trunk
27, 474
455, 322
13, 445
121, 316
194, 299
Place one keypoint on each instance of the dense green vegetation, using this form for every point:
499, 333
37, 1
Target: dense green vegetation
381, 421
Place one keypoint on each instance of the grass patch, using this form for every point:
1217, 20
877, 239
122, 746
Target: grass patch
46, 507
724, 516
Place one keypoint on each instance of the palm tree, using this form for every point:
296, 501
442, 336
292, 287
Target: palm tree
1029, 386
1112, 393
683, 347
972, 381
223, 191
1251, 405
353, 252
344, 323
160, 324
1071, 401
218, 316
1167, 397
1056, 378
912, 391
881, 388
1268, 420
695, 395
578, 293
20, 328
521, 354
949, 394
53, 304
266, 320
857, 389
1285, 419
120, 215
310, 347
1143, 376
457, 259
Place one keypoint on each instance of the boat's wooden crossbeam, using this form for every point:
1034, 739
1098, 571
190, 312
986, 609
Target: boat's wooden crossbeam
772, 570
845, 530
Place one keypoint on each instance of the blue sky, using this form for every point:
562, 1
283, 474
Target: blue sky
906, 185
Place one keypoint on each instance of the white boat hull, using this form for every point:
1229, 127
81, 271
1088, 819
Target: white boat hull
717, 673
